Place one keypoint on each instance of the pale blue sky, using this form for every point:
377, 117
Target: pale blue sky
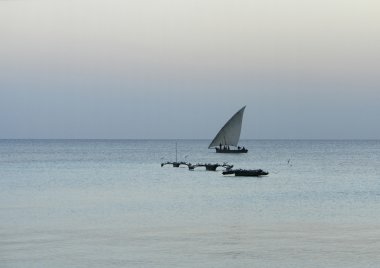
180, 69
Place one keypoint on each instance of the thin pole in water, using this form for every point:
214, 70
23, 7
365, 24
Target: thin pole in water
176, 151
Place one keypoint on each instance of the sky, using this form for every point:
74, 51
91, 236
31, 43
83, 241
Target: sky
179, 69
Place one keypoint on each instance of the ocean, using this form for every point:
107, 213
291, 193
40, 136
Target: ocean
109, 203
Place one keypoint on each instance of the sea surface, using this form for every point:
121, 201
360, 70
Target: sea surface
109, 203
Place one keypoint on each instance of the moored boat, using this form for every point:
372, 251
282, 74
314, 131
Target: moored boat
246, 172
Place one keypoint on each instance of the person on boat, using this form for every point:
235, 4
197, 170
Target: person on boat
220, 146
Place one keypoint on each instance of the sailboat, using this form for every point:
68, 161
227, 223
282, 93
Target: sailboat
229, 135
176, 163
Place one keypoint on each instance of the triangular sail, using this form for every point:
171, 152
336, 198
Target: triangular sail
230, 132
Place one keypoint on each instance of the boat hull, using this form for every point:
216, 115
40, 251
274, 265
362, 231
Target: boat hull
250, 173
229, 151
246, 172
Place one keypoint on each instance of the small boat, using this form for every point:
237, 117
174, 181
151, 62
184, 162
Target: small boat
229, 135
246, 172
210, 167
175, 163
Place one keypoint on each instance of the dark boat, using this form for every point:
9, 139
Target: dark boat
231, 151
175, 164
246, 172
229, 135
210, 167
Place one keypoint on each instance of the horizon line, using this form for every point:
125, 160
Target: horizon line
203, 139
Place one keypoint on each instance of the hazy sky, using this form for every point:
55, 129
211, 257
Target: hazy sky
181, 68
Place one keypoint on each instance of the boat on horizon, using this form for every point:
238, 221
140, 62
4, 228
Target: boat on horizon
229, 135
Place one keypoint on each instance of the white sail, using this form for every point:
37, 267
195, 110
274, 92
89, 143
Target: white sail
230, 132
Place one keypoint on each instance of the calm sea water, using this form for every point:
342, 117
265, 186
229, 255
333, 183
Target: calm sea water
108, 203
